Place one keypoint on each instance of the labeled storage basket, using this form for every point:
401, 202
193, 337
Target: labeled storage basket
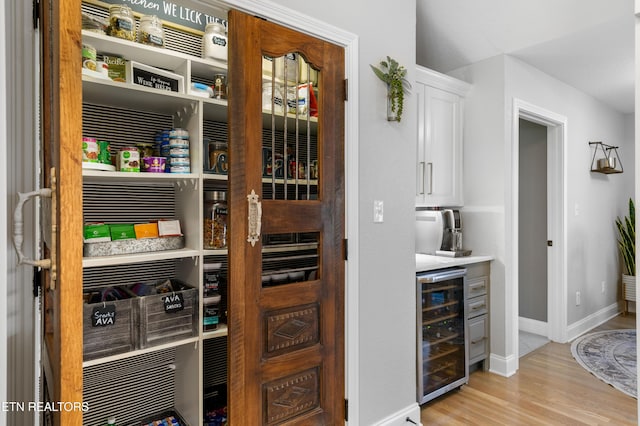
109, 328
168, 317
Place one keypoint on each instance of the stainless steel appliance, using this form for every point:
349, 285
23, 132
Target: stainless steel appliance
439, 232
443, 360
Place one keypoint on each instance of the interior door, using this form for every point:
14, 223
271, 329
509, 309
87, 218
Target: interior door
61, 109
286, 130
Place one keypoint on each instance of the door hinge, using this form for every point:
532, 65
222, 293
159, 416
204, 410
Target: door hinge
346, 89
36, 14
37, 281
346, 410
345, 245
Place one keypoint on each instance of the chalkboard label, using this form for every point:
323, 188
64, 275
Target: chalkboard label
156, 81
173, 302
103, 316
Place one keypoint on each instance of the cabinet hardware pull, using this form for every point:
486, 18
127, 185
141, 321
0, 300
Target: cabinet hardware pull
473, 342
430, 167
422, 178
474, 308
18, 228
255, 217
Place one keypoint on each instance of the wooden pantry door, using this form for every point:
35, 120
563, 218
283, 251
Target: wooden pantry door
61, 129
286, 303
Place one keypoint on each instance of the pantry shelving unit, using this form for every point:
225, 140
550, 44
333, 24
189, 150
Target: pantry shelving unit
182, 374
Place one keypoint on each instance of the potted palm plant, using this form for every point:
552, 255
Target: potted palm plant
627, 244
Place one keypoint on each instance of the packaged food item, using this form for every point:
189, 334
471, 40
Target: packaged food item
121, 22
180, 169
145, 149
104, 152
90, 150
151, 31
218, 157
200, 89
211, 311
179, 153
215, 219
96, 233
220, 86
128, 159
120, 231
117, 68
154, 164
146, 230
169, 228
214, 41
89, 56
93, 23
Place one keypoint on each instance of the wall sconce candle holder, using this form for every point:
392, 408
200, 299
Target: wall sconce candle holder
609, 163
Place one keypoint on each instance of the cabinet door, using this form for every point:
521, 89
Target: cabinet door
439, 148
286, 327
61, 130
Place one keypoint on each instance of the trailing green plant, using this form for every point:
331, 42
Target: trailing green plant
627, 239
393, 74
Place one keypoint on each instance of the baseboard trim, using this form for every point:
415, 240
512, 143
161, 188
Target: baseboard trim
400, 418
503, 366
541, 328
586, 324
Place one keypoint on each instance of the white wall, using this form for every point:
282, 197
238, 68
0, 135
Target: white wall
386, 360
592, 252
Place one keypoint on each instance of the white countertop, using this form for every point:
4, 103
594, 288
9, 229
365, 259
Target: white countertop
426, 262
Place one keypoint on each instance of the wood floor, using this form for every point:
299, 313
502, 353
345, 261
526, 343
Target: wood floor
550, 388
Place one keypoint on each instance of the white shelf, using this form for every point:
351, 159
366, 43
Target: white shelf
97, 175
137, 352
92, 262
222, 331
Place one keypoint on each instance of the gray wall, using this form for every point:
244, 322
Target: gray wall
386, 359
532, 223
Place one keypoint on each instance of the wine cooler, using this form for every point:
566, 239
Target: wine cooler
442, 349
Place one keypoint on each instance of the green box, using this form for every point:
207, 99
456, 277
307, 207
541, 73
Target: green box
122, 232
96, 233
117, 68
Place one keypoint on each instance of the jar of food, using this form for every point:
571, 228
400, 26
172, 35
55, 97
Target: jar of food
151, 31
214, 42
218, 158
90, 150
220, 86
272, 96
211, 314
89, 57
121, 22
215, 219
145, 148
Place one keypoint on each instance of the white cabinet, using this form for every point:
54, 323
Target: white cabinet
439, 146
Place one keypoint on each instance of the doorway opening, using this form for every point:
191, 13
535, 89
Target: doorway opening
538, 223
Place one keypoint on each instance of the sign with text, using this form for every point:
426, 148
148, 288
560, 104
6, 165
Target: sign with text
167, 11
103, 316
173, 302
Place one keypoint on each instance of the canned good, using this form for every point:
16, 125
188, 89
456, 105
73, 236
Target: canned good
179, 152
180, 169
129, 159
90, 150
89, 57
179, 143
179, 161
179, 133
104, 152
154, 164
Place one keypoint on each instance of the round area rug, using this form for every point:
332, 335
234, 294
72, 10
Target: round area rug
610, 356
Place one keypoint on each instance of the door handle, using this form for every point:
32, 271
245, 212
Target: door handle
422, 176
255, 218
18, 228
430, 167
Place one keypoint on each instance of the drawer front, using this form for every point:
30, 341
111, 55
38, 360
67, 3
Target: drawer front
477, 306
478, 339
476, 287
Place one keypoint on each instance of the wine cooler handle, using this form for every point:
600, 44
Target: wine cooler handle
255, 218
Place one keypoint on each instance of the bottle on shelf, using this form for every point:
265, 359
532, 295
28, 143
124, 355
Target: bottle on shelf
215, 219
214, 41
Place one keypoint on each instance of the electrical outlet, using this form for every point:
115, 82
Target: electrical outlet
577, 298
604, 283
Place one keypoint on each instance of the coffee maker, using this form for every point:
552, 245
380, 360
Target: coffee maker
452, 235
